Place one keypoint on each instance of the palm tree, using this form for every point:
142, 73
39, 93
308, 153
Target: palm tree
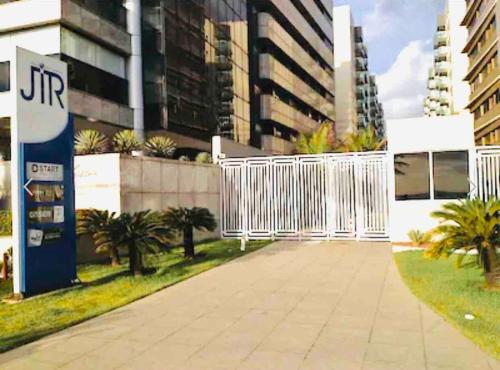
92, 221
320, 141
185, 220
140, 232
365, 140
470, 224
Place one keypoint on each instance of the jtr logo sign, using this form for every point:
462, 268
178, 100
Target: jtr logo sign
46, 84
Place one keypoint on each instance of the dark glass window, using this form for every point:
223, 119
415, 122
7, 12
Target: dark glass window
412, 176
95, 81
451, 173
4, 76
112, 10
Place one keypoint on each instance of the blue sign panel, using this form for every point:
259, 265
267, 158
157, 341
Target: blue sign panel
43, 197
48, 239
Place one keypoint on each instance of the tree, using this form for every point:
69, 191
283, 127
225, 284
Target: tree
365, 140
92, 221
320, 141
470, 224
140, 232
185, 220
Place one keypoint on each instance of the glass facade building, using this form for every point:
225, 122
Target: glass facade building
291, 70
195, 61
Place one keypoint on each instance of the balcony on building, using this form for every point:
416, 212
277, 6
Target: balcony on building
442, 38
443, 68
442, 53
361, 50
223, 63
361, 64
444, 97
443, 83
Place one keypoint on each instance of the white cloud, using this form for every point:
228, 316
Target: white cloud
395, 16
402, 88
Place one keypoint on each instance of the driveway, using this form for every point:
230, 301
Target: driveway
288, 306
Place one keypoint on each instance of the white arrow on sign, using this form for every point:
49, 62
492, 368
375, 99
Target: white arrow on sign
26, 187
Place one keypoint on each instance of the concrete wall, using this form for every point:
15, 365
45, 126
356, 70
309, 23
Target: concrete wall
425, 134
129, 184
345, 71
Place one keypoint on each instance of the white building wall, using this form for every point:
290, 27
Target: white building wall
18, 14
416, 135
345, 71
460, 89
43, 40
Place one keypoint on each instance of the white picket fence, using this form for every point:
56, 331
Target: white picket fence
328, 196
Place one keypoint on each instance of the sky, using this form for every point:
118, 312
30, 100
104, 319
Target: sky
399, 36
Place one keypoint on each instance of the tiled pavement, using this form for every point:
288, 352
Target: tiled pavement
288, 306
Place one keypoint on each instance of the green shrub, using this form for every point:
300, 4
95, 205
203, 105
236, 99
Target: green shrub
90, 142
160, 146
204, 157
5, 223
184, 158
418, 237
126, 141
185, 220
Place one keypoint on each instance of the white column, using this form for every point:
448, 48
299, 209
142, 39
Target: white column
134, 67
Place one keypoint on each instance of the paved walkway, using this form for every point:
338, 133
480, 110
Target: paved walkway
289, 306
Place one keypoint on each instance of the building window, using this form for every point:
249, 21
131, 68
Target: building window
412, 176
87, 78
4, 76
451, 175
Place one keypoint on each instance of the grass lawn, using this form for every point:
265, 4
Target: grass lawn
105, 288
454, 292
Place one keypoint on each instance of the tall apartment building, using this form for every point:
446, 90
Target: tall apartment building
257, 72
483, 73
357, 103
92, 37
291, 70
447, 90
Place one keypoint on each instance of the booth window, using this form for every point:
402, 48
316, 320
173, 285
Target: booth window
4, 76
450, 171
412, 176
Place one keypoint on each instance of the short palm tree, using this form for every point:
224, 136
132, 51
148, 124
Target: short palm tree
126, 141
160, 146
365, 140
320, 141
90, 142
470, 224
139, 233
185, 220
91, 222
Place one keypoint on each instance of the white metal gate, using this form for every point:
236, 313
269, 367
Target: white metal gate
488, 172
327, 196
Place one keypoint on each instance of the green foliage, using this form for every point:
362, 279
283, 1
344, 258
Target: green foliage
470, 224
184, 220
362, 141
320, 141
5, 223
93, 222
418, 237
453, 293
126, 141
160, 146
90, 142
184, 158
204, 157
139, 233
